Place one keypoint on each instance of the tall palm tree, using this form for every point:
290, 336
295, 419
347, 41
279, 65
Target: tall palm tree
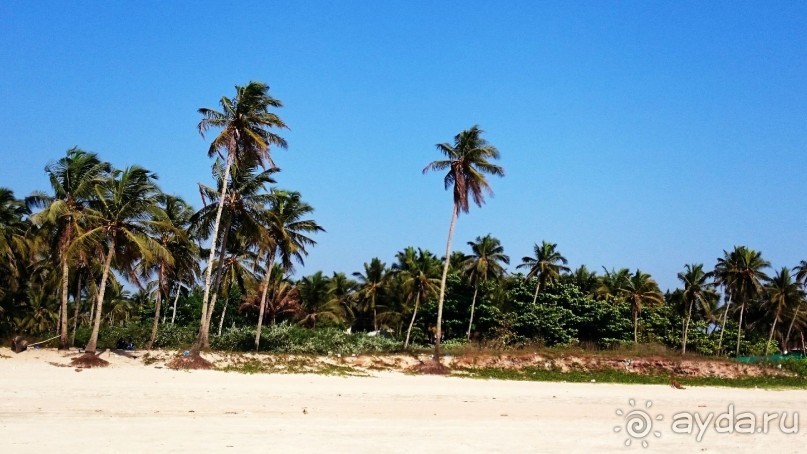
317, 302
740, 272
468, 162
120, 218
245, 137
641, 290
73, 179
546, 265
370, 283
13, 242
783, 294
285, 237
486, 262
419, 271
697, 290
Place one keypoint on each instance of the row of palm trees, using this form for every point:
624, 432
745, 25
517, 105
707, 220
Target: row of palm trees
100, 225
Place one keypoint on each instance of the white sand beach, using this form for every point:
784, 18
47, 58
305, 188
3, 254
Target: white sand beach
135, 408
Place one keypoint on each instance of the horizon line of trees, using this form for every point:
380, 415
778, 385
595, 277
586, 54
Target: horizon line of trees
66, 253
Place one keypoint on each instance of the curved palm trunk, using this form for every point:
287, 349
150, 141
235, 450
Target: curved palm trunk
157, 304
96, 327
262, 308
770, 337
412, 322
439, 331
723, 326
635, 314
473, 305
686, 328
537, 289
790, 328
740, 328
202, 339
176, 298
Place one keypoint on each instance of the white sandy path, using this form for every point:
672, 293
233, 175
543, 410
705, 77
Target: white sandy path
129, 407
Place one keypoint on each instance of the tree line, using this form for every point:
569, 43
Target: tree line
66, 254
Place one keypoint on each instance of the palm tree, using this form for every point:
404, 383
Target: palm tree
641, 290
245, 137
486, 262
546, 265
800, 274
587, 281
782, 294
120, 219
612, 283
740, 272
13, 244
468, 162
370, 283
73, 179
170, 229
285, 237
697, 290
419, 270
317, 301
241, 212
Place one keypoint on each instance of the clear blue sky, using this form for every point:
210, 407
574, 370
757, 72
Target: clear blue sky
641, 134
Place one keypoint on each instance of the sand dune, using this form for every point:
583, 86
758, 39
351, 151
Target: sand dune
132, 407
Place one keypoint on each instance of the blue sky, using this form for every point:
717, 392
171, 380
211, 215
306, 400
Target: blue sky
633, 133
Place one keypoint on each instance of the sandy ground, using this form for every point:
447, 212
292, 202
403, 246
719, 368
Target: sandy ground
131, 407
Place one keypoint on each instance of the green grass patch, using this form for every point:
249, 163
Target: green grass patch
617, 376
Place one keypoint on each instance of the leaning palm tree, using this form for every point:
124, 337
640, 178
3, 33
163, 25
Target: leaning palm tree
783, 294
486, 262
73, 179
285, 237
740, 272
369, 286
641, 290
546, 265
419, 271
697, 291
245, 137
125, 206
468, 162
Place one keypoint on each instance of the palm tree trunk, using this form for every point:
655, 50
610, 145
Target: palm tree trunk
438, 331
217, 281
65, 292
157, 304
740, 328
96, 326
686, 328
412, 322
537, 289
375, 314
473, 305
723, 326
223, 313
176, 298
76, 311
635, 314
770, 337
202, 339
262, 308
790, 328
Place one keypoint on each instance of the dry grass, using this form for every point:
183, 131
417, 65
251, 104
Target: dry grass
89, 360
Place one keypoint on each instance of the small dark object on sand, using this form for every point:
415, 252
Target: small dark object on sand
88, 360
19, 344
431, 367
192, 360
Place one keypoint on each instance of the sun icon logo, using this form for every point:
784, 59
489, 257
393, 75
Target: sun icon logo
638, 423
